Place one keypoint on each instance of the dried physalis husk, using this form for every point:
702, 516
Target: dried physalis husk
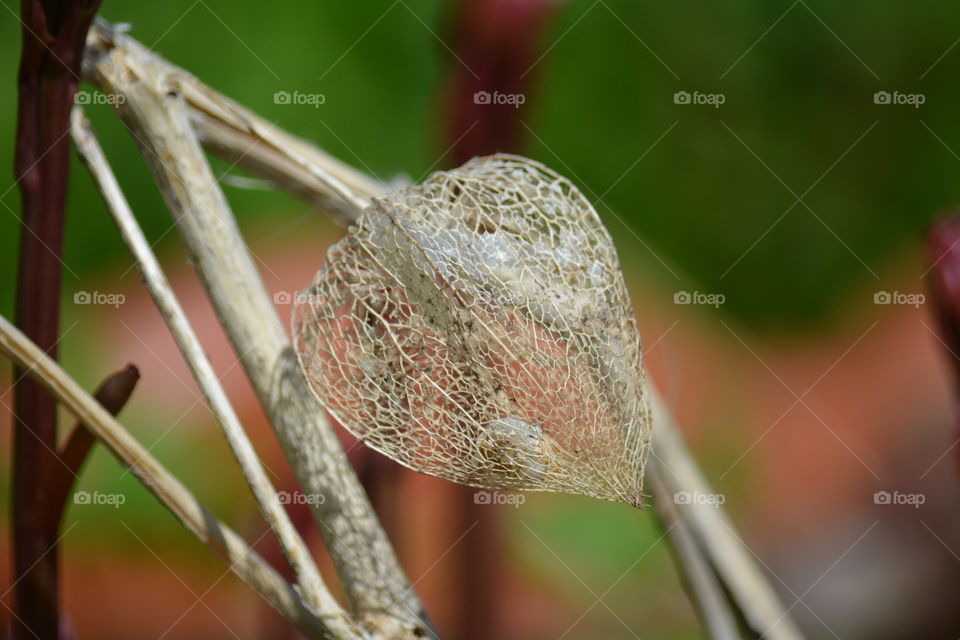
477, 328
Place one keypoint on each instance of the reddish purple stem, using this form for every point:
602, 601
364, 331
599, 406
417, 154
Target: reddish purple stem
53, 40
112, 394
498, 55
497, 43
943, 281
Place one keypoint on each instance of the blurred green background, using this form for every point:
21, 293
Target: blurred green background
798, 98
697, 198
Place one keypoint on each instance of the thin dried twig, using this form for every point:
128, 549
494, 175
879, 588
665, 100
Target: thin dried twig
311, 584
155, 112
244, 562
730, 557
704, 586
242, 149
244, 138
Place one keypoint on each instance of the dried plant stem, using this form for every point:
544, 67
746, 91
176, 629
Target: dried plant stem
245, 138
244, 562
154, 110
240, 148
704, 586
311, 585
730, 557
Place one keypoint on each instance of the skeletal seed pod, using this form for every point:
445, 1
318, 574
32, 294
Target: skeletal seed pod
476, 327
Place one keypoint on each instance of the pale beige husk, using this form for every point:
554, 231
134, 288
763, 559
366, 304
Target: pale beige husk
477, 328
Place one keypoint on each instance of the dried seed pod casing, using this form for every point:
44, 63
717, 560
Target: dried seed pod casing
476, 327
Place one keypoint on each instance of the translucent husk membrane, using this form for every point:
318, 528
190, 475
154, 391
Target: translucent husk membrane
477, 328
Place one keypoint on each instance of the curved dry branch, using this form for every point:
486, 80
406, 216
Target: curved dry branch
155, 112
703, 584
246, 139
311, 584
730, 557
243, 560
